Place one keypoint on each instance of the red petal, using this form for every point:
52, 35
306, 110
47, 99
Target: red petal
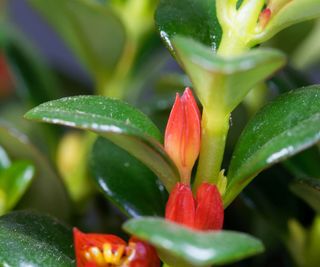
183, 134
180, 207
209, 211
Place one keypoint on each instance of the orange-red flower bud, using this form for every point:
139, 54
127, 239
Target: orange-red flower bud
205, 212
180, 207
100, 250
183, 134
209, 211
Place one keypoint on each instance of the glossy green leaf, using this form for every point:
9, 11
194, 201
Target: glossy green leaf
93, 32
46, 192
14, 182
309, 190
291, 13
126, 181
180, 246
122, 124
193, 18
4, 159
281, 129
34, 240
234, 76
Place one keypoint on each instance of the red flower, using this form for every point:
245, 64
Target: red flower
204, 212
100, 250
180, 207
209, 211
182, 136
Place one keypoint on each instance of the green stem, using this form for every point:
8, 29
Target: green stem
215, 128
231, 45
238, 25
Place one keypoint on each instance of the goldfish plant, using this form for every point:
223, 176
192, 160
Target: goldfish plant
176, 185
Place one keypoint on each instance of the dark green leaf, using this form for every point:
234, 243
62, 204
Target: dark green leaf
281, 129
47, 192
125, 181
309, 190
30, 239
193, 18
180, 246
14, 181
122, 124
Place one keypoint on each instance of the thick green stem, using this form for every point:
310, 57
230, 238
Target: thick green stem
214, 134
238, 26
231, 45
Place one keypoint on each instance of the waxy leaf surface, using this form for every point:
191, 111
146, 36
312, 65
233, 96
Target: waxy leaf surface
193, 18
126, 181
281, 129
30, 239
114, 119
185, 247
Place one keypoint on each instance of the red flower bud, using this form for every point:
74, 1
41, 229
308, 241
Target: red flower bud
99, 250
203, 213
183, 134
180, 207
265, 17
209, 211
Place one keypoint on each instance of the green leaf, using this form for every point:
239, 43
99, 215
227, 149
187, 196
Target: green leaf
93, 32
125, 181
46, 192
291, 13
14, 181
309, 190
281, 129
180, 246
4, 159
192, 18
31, 239
124, 125
234, 76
